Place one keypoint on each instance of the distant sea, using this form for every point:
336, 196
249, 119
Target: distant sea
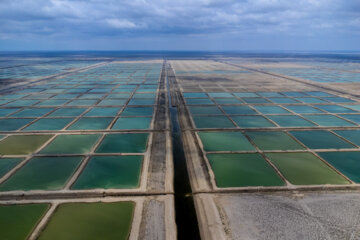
121, 55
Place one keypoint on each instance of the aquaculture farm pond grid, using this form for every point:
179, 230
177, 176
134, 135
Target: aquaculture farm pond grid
87, 132
276, 139
319, 74
242, 149
97, 128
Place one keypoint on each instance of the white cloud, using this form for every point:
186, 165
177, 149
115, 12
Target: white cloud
185, 17
120, 23
65, 8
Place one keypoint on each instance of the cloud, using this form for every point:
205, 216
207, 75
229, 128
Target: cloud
84, 19
120, 23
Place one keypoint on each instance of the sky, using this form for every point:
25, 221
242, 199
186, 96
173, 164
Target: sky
209, 25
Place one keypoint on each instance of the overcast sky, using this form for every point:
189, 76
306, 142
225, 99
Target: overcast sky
180, 25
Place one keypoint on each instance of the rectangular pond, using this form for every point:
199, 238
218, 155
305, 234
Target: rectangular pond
305, 169
18, 221
242, 170
90, 221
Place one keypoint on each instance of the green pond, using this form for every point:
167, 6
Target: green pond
238, 110
53, 102
99, 90
123, 90
294, 94
302, 109
66, 96
42, 173
112, 102
319, 94
291, 121
213, 122
149, 90
142, 102
348, 163
132, 123
351, 135
274, 141
22, 144
118, 95
329, 121
305, 169
138, 111
220, 95
20, 103
77, 90
2, 101
124, 143
104, 111
192, 101
241, 170
355, 107
252, 121
271, 110
47, 91
49, 124
13, 96
110, 172
245, 94
91, 123
205, 110
91, 96
18, 221
32, 112
195, 95
82, 102
352, 117
338, 100
282, 100
311, 100
225, 141
227, 101
6, 164
90, 221
67, 112
320, 140
6, 111
255, 100
11, 124
335, 109
71, 144
270, 94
